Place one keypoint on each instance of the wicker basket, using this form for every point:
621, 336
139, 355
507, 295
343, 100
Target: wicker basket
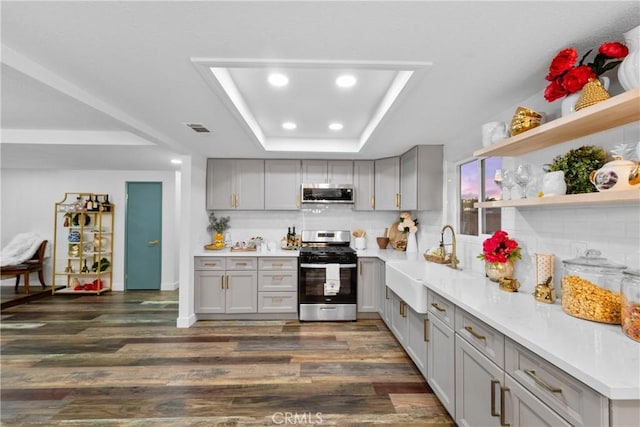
437, 258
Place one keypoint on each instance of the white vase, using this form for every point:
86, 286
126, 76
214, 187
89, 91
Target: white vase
569, 102
629, 69
553, 184
412, 243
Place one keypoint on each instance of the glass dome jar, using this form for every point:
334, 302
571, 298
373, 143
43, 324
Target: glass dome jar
630, 289
591, 288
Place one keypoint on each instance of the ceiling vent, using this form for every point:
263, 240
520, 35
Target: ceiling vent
197, 127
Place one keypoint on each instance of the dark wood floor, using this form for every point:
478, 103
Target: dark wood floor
118, 359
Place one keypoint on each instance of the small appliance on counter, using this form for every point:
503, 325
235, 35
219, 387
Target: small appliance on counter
327, 277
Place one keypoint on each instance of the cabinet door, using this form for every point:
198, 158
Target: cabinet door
314, 171
242, 292
209, 291
409, 180
249, 184
441, 362
282, 184
398, 318
363, 181
219, 184
416, 343
387, 184
525, 410
478, 382
368, 279
340, 172
429, 176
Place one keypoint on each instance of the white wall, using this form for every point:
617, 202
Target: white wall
28, 203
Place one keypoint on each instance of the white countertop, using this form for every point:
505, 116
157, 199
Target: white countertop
597, 354
228, 253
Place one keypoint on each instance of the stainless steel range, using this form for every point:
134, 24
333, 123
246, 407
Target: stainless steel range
327, 276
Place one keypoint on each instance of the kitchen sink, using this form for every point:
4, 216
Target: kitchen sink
408, 278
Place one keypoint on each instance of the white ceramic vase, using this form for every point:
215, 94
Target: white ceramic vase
553, 184
412, 243
569, 102
629, 69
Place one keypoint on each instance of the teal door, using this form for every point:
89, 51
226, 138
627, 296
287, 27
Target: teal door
143, 236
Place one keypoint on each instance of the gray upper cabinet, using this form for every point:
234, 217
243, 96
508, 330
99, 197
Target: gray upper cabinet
387, 184
421, 178
235, 184
282, 181
327, 171
364, 183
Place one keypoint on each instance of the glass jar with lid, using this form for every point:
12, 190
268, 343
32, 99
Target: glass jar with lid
630, 290
591, 288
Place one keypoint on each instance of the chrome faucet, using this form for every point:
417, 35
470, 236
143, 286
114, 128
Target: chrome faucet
453, 263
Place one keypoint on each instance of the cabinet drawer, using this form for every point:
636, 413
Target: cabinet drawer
209, 263
277, 302
482, 336
277, 281
441, 308
242, 263
269, 263
573, 400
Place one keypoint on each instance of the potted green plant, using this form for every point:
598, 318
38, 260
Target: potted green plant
577, 164
219, 225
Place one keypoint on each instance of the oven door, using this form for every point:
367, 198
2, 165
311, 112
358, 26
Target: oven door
312, 290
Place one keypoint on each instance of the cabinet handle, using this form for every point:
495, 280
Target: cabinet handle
241, 263
493, 398
210, 264
298, 200
426, 329
233, 199
227, 281
277, 264
373, 202
154, 242
437, 307
474, 333
540, 382
237, 201
503, 423
221, 282
397, 200
386, 292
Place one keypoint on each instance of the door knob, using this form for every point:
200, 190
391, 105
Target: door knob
154, 242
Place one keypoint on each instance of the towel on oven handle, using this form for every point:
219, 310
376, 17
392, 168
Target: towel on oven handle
332, 279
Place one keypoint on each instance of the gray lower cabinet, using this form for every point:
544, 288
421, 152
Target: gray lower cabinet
226, 285
277, 285
441, 350
282, 180
369, 270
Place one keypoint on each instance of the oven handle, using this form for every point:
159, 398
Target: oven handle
325, 265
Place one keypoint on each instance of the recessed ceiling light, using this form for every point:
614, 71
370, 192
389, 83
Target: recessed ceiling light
346, 80
176, 161
289, 125
278, 79
336, 126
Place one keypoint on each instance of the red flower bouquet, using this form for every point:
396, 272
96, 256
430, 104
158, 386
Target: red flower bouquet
500, 248
566, 77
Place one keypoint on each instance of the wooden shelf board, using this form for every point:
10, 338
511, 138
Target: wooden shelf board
569, 199
71, 291
616, 111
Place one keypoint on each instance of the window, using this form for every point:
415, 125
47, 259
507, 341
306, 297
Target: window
474, 188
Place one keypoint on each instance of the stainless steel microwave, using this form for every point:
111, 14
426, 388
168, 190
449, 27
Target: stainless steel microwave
327, 193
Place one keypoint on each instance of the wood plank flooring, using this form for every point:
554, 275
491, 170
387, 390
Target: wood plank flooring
118, 360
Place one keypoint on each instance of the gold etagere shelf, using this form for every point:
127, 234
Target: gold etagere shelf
616, 111
83, 244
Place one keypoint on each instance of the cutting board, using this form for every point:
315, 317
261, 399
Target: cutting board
396, 235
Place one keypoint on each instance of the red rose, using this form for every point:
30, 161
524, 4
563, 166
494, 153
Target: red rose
564, 61
555, 90
614, 50
577, 77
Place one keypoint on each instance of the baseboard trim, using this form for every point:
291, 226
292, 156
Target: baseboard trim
186, 322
